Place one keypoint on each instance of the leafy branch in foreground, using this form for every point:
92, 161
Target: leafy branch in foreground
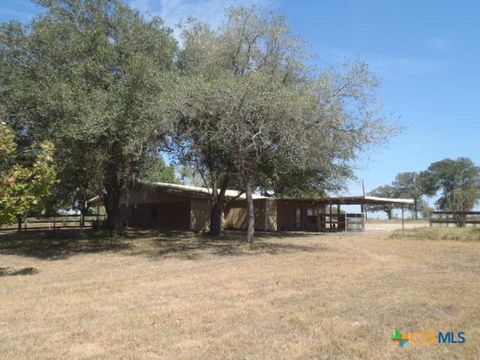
23, 189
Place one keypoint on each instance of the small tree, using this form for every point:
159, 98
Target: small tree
410, 185
460, 201
449, 176
23, 188
386, 191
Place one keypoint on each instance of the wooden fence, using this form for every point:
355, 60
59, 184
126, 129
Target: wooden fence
458, 218
56, 222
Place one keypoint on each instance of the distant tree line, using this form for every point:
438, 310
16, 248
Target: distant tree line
240, 106
455, 184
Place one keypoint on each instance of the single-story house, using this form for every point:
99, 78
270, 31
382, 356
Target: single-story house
183, 207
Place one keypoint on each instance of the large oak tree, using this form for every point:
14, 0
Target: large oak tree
252, 112
86, 74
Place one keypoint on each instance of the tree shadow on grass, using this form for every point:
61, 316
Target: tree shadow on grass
4, 271
187, 245
61, 244
58, 244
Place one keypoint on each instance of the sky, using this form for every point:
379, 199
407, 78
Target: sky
425, 53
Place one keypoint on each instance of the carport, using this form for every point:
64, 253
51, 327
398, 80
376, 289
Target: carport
326, 214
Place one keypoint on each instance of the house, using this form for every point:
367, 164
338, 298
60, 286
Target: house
183, 207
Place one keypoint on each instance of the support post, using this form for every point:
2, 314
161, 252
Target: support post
403, 218
319, 218
362, 206
330, 217
338, 217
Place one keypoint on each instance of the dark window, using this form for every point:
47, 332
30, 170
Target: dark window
155, 213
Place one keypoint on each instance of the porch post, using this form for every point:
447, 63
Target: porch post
319, 219
338, 216
330, 217
403, 218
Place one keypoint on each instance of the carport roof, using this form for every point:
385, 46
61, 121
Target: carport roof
358, 200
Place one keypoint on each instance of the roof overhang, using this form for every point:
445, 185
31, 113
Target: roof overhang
201, 192
357, 200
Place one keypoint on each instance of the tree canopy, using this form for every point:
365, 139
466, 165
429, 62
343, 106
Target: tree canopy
455, 183
87, 74
240, 105
385, 191
251, 111
454, 179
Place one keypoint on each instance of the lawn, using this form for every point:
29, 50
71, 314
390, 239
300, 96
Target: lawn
185, 296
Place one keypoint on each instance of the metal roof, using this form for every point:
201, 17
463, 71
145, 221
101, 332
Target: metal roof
356, 200
203, 192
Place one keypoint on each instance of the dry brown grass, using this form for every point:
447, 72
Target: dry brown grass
181, 296
439, 233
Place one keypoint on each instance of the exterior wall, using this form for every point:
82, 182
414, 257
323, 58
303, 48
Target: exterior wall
200, 210
271, 215
150, 206
165, 216
298, 215
287, 216
236, 215
147, 207
149, 195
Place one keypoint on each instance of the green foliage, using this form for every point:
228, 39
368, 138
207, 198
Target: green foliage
88, 74
386, 191
155, 170
23, 189
454, 179
460, 201
250, 111
411, 185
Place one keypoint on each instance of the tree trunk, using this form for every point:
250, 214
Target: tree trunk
19, 223
112, 206
111, 198
250, 212
216, 218
83, 209
389, 214
218, 207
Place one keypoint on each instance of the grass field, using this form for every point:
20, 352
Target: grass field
181, 296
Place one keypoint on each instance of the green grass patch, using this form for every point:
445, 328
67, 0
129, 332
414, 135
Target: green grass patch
439, 233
